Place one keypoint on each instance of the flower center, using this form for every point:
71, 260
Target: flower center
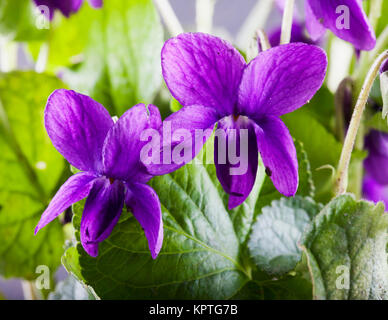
111, 180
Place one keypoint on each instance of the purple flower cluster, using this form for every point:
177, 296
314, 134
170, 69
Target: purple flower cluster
217, 88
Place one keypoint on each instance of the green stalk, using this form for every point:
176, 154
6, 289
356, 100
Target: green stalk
341, 181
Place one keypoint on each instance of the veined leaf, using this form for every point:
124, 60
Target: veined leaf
346, 250
30, 171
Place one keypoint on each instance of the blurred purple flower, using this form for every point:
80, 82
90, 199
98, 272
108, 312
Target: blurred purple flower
210, 78
67, 7
108, 153
322, 15
384, 67
297, 35
376, 164
374, 191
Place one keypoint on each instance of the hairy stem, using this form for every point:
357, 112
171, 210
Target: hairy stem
341, 182
169, 17
288, 14
204, 15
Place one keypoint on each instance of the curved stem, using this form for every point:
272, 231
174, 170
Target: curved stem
341, 182
169, 17
288, 14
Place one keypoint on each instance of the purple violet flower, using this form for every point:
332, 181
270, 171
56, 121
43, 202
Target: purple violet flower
321, 15
67, 7
376, 164
210, 78
108, 153
384, 67
374, 191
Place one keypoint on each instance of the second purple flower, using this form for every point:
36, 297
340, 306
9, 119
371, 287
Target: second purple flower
211, 79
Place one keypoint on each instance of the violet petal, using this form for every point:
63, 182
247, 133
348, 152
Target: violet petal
281, 79
145, 206
76, 188
200, 69
77, 126
121, 152
239, 184
359, 32
278, 153
102, 210
194, 120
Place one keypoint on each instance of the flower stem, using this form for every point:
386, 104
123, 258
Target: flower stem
264, 42
341, 181
169, 17
288, 14
257, 19
29, 292
41, 62
204, 15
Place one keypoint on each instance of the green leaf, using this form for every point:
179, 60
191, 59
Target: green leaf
200, 257
18, 21
275, 236
70, 289
346, 250
321, 146
30, 171
121, 68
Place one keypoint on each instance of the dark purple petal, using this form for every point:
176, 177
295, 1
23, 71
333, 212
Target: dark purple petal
67, 7
278, 153
297, 35
96, 3
101, 212
76, 188
376, 164
384, 66
77, 126
359, 32
145, 206
237, 184
121, 152
314, 27
281, 79
373, 191
195, 121
200, 69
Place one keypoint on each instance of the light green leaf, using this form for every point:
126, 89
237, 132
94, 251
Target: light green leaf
322, 149
18, 21
122, 64
70, 289
346, 250
275, 236
30, 172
